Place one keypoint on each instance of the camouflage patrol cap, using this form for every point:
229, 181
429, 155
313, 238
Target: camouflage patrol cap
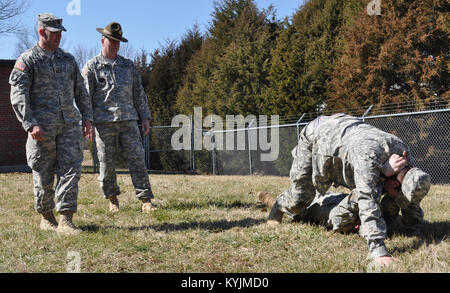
415, 186
50, 22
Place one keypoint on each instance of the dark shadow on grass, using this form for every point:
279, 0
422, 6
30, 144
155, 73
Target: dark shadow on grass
180, 206
211, 226
89, 228
430, 233
437, 231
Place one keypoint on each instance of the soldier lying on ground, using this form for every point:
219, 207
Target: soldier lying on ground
344, 151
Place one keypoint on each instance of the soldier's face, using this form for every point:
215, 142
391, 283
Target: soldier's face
110, 46
50, 39
393, 187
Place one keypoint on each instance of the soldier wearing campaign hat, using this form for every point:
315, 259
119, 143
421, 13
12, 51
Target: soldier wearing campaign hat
45, 84
341, 150
113, 31
119, 101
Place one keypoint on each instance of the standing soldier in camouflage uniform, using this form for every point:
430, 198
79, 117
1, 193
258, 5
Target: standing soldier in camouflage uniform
344, 151
44, 83
118, 101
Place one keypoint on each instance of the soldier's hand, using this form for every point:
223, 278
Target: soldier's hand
88, 130
37, 133
395, 164
384, 261
145, 126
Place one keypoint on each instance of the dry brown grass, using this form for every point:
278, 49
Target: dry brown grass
203, 224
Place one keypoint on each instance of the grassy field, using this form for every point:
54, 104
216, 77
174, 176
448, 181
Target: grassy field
203, 224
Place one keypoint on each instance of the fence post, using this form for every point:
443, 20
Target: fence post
249, 148
298, 124
191, 152
366, 113
213, 148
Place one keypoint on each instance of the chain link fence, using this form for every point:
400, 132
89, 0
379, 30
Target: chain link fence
428, 136
239, 152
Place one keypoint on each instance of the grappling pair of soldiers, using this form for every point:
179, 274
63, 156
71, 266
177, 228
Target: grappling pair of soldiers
342, 150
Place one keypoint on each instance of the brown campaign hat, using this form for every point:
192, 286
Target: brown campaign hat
113, 31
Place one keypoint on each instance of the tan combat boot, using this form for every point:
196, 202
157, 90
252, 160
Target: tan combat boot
265, 198
275, 216
113, 204
66, 227
48, 222
147, 206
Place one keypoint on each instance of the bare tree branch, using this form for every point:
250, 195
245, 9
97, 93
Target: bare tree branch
127, 51
25, 40
9, 11
82, 54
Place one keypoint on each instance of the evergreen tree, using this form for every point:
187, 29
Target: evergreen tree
162, 77
241, 72
305, 55
229, 73
400, 56
164, 74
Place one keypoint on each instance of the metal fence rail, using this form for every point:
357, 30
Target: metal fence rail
427, 134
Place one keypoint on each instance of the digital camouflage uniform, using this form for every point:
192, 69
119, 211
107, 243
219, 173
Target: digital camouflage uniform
44, 87
118, 101
340, 212
344, 151
336, 211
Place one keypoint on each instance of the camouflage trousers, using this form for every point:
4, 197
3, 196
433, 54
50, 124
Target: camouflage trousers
301, 192
124, 135
340, 212
60, 153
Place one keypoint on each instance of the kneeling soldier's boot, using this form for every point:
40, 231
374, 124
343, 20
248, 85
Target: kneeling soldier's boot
48, 222
66, 227
275, 216
147, 205
113, 204
265, 198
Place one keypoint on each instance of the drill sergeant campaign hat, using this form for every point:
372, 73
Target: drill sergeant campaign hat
415, 186
50, 22
113, 31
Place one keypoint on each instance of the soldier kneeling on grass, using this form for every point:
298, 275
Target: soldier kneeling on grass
342, 150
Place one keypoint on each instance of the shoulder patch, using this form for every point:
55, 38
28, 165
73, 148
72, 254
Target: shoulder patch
85, 70
21, 66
